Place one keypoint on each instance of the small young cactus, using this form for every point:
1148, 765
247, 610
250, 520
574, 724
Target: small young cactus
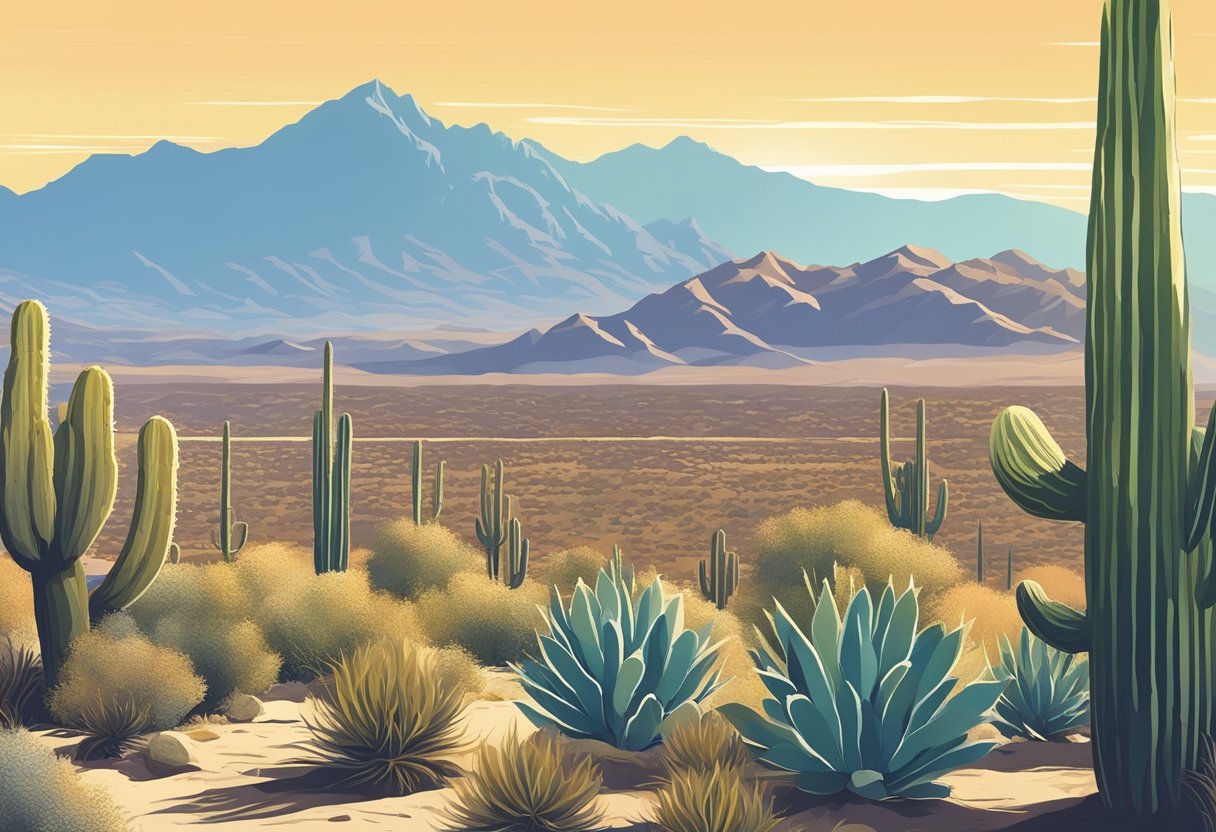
720, 577
906, 486
416, 490
231, 536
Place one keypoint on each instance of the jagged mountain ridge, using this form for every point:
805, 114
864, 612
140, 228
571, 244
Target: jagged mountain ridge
769, 311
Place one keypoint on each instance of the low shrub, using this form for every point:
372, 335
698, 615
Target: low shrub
863, 702
21, 685
16, 604
203, 611
113, 663
990, 615
495, 624
1047, 696
460, 669
40, 792
564, 569
739, 681
702, 744
527, 785
111, 726
386, 720
407, 560
618, 668
718, 800
850, 534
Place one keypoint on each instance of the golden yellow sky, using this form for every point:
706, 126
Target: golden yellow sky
924, 99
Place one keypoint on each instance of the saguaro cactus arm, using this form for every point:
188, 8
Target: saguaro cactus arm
1032, 469
1057, 624
147, 544
1201, 491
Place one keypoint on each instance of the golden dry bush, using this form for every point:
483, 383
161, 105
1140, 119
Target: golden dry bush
527, 785
720, 800
564, 569
744, 686
495, 624
16, 604
460, 669
991, 614
849, 534
204, 612
703, 744
116, 663
40, 792
1060, 583
407, 560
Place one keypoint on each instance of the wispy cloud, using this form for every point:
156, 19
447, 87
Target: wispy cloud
938, 99
523, 105
923, 167
110, 137
764, 124
256, 103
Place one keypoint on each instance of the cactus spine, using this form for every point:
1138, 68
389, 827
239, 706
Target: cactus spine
495, 527
1147, 499
979, 552
330, 479
720, 577
231, 536
906, 486
57, 492
416, 490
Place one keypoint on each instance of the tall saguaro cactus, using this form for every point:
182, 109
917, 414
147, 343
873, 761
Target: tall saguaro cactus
330, 479
1147, 498
498, 526
906, 486
57, 491
416, 489
231, 536
720, 576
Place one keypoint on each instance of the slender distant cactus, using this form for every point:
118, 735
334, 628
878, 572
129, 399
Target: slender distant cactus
231, 536
517, 556
330, 479
720, 576
906, 486
1009, 570
1149, 497
618, 570
57, 492
495, 527
979, 552
416, 491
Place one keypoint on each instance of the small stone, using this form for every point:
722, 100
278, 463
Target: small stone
172, 750
241, 707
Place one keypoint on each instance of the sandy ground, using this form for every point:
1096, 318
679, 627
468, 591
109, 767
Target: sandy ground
245, 781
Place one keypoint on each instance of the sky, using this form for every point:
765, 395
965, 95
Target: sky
925, 99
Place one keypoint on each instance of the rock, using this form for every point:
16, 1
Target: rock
171, 750
241, 707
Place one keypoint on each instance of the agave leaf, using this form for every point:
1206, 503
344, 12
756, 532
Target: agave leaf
900, 632
627, 682
679, 662
642, 729
868, 784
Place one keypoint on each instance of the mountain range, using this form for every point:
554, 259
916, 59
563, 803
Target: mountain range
768, 311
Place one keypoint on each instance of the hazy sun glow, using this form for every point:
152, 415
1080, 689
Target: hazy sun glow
913, 99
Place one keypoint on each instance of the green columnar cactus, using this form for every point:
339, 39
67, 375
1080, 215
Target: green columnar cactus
979, 552
330, 479
57, 492
231, 536
517, 556
1147, 499
1009, 570
720, 577
416, 491
906, 486
493, 525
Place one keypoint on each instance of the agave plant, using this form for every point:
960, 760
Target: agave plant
865, 703
615, 669
21, 685
1047, 697
111, 728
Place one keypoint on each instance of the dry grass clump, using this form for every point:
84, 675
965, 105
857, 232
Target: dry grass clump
21, 685
39, 792
407, 560
528, 785
387, 720
115, 664
1060, 583
849, 534
203, 611
701, 745
111, 726
16, 604
497, 625
564, 569
719, 800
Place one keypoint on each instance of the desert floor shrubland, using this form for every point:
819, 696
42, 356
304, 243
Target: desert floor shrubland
408, 560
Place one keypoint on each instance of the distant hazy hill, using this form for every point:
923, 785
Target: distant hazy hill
365, 215
771, 312
750, 209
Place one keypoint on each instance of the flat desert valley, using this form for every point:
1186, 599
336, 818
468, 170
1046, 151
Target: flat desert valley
654, 468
